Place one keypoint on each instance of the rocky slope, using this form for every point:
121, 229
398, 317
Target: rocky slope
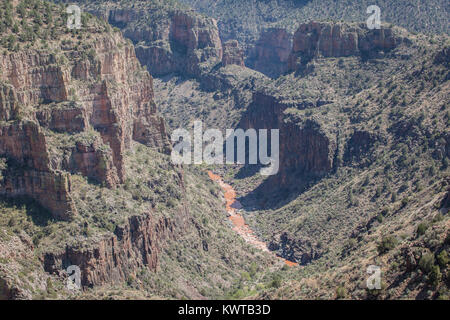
364, 147
86, 172
310, 146
115, 102
334, 118
385, 179
324, 76
66, 113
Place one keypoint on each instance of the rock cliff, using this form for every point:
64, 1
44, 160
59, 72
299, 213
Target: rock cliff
233, 54
46, 97
167, 39
114, 258
305, 147
271, 52
322, 39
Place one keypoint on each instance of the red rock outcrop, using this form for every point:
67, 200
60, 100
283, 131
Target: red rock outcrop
68, 119
112, 259
9, 105
305, 148
93, 161
180, 42
28, 171
323, 39
233, 54
106, 91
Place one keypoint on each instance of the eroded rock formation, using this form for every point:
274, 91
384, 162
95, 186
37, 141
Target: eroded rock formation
305, 147
179, 42
323, 39
114, 258
233, 54
105, 92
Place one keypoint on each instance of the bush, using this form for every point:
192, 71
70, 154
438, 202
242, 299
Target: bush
385, 211
341, 293
421, 229
394, 197
426, 263
405, 202
387, 243
435, 276
442, 259
276, 281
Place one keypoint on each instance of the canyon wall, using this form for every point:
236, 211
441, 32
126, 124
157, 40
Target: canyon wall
175, 42
271, 52
277, 51
46, 97
323, 39
305, 147
115, 258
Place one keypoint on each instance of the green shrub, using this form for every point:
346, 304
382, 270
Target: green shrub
387, 243
426, 262
341, 293
276, 281
435, 275
442, 259
421, 229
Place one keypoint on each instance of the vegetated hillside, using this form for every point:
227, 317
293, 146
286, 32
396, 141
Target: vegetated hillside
351, 111
86, 178
364, 146
245, 19
346, 181
370, 184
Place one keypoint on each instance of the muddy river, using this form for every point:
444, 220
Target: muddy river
233, 206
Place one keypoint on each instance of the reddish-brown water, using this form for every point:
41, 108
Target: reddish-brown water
239, 225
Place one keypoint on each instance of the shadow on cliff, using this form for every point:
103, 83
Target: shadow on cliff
273, 193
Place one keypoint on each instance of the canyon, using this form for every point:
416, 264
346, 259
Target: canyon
87, 179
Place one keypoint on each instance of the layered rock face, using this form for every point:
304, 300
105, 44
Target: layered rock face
233, 54
305, 148
106, 93
321, 39
271, 52
113, 259
28, 171
277, 51
181, 42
